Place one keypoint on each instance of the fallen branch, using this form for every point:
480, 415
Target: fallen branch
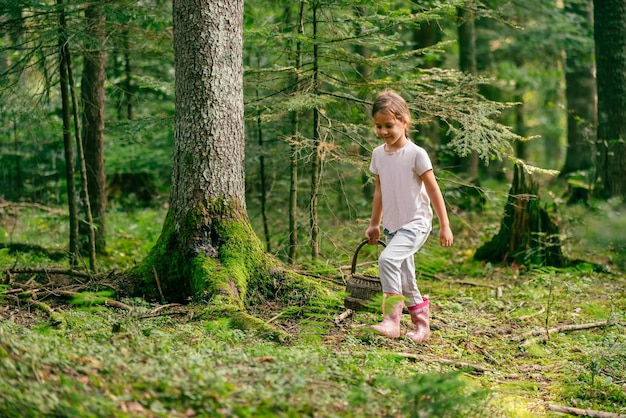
584, 412
541, 334
54, 318
343, 316
539, 312
161, 307
497, 288
65, 272
158, 282
459, 364
470, 283
5, 204
116, 304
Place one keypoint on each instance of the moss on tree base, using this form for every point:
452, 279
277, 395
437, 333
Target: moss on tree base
527, 235
219, 261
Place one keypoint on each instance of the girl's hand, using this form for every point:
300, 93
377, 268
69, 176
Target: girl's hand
373, 235
445, 237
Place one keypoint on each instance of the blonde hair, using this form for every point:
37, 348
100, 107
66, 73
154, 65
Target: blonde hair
391, 102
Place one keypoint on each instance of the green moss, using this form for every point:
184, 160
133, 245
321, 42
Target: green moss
259, 328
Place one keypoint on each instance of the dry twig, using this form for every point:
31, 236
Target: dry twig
339, 318
541, 334
584, 412
459, 364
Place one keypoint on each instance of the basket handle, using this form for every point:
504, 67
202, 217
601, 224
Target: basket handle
356, 253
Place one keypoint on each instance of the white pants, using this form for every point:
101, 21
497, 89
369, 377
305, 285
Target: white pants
396, 265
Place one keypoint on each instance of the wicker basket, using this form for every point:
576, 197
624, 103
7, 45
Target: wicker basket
361, 288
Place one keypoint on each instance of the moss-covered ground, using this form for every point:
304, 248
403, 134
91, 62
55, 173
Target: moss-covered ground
507, 341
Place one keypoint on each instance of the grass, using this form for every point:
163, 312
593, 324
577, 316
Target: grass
481, 361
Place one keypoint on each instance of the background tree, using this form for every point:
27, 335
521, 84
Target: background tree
610, 50
72, 198
92, 98
581, 100
467, 64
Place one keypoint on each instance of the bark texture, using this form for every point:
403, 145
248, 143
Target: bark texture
92, 95
527, 235
207, 249
209, 137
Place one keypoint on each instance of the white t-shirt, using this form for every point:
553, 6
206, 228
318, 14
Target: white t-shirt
405, 200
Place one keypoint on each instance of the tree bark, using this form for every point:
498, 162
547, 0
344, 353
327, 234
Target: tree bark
580, 92
610, 42
527, 235
91, 233
293, 155
316, 162
207, 250
467, 64
427, 132
92, 95
67, 137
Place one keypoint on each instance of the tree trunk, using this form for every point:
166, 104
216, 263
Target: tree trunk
527, 235
580, 92
316, 162
92, 95
428, 34
207, 250
91, 233
467, 64
610, 42
293, 156
263, 181
72, 201
364, 75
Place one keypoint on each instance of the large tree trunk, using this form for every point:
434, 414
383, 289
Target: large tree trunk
610, 41
92, 95
580, 92
207, 251
207, 199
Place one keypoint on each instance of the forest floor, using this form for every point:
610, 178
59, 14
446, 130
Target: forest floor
506, 341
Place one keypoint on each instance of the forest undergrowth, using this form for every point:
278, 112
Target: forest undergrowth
507, 341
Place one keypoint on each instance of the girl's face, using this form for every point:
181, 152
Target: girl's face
390, 129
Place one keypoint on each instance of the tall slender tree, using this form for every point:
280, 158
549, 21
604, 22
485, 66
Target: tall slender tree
580, 94
609, 18
72, 198
92, 94
467, 64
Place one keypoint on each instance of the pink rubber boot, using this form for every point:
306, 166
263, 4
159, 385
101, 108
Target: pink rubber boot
420, 318
392, 310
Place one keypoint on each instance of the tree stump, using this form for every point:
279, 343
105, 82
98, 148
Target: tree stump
527, 235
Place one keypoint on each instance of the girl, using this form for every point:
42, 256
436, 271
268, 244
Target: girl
405, 189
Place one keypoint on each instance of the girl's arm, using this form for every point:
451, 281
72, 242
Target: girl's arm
373, 232
436, 200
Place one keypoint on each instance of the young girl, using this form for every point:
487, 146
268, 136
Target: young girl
405, 189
